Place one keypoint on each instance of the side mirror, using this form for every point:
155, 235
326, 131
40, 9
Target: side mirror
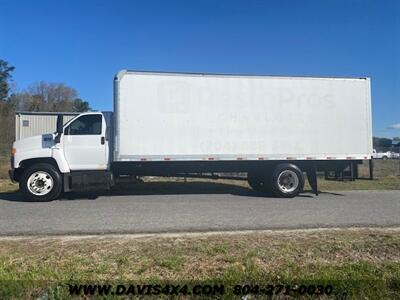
60, 124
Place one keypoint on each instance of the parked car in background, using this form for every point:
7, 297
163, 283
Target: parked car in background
395, 155
381, 155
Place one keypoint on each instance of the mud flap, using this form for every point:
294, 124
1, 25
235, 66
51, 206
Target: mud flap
312, 178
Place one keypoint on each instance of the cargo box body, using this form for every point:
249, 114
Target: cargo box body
196, 117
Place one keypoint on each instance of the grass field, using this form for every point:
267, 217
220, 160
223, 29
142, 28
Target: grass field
359, 263
4, 166
382, 168
7, 186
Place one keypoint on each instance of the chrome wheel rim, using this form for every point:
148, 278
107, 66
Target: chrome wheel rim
288, 181
40, 183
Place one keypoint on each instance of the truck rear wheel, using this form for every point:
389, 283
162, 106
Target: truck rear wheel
40, 182
287, 181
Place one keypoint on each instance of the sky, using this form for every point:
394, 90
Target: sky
85, 43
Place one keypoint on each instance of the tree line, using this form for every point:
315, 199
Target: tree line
385, 142
39, 96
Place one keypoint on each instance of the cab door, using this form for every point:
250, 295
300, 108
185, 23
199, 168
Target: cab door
84, 143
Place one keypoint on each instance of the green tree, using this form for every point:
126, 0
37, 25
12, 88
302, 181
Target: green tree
382, 142
47, 96
80, 105
5, 77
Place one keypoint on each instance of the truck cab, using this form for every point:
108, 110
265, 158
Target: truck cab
44, 164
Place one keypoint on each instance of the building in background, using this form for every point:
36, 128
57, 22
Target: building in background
36, 123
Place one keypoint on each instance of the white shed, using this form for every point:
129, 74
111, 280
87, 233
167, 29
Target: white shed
36, 123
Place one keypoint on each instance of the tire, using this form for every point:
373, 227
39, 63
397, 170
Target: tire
384, 157
40, 183
287, 181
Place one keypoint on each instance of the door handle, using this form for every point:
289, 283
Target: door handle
103, 140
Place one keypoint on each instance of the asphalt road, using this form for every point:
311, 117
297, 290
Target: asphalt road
205, 207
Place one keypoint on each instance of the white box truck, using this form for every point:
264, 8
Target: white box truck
182, 124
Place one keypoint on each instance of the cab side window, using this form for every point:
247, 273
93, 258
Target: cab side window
85, 125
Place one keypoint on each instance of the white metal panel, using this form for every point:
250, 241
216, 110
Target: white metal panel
190, 116
36, 124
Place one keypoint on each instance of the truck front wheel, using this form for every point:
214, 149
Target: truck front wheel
287, 181
41, 182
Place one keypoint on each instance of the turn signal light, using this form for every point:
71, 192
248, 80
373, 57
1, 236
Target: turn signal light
13, 151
